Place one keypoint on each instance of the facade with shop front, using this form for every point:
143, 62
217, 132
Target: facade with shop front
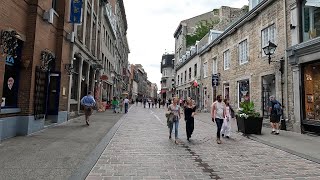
100, 55
304, 58
237, 58
33, 81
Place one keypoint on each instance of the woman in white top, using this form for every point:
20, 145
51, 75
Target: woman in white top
218, 113
175, 109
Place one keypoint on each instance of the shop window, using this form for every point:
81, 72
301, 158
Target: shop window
244, 91
11, 79
312, 92
310, 19
75, 80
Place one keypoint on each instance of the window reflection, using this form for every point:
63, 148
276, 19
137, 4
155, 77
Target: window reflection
311, 19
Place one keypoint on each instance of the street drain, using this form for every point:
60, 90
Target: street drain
205, 166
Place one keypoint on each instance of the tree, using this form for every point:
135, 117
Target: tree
202, 28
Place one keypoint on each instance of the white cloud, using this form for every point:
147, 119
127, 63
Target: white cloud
151, 24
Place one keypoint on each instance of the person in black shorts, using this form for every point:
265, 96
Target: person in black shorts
274, 115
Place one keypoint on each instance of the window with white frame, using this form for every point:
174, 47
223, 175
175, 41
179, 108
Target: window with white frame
243, 52
164, 73
181, 78
268, 34
205, 69
215, 66
178, 79
226, 59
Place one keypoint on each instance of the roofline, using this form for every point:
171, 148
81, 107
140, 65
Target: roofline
180, 24
231, 29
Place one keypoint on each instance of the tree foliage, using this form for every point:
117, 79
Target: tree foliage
202, 28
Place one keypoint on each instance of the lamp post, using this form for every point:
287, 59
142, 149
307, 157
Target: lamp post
269, 50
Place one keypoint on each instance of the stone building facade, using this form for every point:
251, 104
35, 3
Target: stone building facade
236, 56
222, 18
33, 81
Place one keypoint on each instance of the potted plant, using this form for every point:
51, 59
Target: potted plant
248, 120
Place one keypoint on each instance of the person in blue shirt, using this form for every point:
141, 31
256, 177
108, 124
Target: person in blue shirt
88, 103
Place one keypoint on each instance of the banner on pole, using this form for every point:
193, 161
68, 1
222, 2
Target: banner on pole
75, 11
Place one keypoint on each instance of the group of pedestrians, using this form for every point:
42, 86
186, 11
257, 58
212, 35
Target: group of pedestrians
117, 105
221, 113
89, 104
174, 115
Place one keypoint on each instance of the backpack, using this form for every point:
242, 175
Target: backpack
277, 108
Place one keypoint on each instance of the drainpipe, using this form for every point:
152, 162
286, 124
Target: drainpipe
286, 58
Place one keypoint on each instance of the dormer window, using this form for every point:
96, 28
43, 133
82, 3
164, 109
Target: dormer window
253, 3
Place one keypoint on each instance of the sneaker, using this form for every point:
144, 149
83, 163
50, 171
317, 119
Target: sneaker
222, 135
227, 137
170, 137
218, 141
273, 132
277, 133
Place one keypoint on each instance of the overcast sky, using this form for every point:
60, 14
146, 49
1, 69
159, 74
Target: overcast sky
151, 24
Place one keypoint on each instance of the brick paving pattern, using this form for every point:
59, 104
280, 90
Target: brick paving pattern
141, 150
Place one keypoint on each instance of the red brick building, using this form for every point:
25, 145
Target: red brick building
34, 85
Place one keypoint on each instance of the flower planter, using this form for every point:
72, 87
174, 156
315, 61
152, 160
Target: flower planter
251, 125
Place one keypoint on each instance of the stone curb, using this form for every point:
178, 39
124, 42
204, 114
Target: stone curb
304, 156
84, 169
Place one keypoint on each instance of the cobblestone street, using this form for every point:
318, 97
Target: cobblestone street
141, 150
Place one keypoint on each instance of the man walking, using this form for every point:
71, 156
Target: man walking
218, 113
126, 104
88, 103
275, 112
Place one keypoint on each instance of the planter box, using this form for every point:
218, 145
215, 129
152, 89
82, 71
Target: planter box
251, 125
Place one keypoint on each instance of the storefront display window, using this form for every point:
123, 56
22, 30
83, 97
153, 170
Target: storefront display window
244, 91
11, 80
312, 92
310, 19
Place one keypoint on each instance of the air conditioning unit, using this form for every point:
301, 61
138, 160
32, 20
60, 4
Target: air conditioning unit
48, 16
71, 36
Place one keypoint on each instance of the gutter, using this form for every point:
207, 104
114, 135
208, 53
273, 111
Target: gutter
286, 60
247, 17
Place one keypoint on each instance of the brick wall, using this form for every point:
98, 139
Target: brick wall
39, 35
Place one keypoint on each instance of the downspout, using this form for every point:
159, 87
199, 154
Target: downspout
286, 59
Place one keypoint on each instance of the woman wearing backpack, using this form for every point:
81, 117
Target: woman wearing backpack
275, 112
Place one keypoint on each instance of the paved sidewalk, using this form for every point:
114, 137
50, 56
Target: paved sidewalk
140, 149
56, 152
302, 145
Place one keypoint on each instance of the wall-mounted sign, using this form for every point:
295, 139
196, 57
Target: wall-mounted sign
76, 11
104, 77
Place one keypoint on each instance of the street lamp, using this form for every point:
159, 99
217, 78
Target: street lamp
269, 50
